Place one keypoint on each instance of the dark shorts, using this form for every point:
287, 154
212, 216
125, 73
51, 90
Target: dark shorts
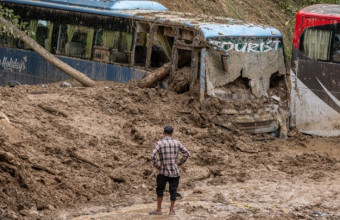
173, 185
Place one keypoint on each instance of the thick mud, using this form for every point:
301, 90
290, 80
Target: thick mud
84, 153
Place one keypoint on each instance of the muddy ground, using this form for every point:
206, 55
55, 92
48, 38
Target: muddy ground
84, 153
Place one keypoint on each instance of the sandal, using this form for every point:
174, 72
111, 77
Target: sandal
172, 213
155, 213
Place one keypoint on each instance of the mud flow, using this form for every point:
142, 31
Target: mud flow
84, 153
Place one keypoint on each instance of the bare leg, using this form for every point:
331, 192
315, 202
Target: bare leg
172, 205
159, 204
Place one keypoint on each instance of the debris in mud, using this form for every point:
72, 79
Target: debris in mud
66, 84
241, 177
52, 110
219, 198
7, 158
179, 82
245, 147
75, 155
219, 180
4, 117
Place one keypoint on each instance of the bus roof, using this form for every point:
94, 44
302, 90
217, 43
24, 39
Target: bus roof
87, 5
155, 12
236, 30
322, 9
211, 26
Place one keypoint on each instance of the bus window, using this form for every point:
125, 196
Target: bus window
316, 43
123, 54
140, 50
112, 46
336, 48
141, 47
161, 49
43, 34
75, 41
32, 30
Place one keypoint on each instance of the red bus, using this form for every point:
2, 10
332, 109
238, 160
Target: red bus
315, 71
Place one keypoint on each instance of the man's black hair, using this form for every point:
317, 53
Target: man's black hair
168, 129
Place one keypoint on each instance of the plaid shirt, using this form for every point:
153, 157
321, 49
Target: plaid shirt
167, 148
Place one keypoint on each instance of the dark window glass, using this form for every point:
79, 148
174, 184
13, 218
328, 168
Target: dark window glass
336, 48
112, 46
75, 41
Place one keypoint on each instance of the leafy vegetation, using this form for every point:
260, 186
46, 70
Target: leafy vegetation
9, 15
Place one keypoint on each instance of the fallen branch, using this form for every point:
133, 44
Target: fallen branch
78, 157
52, 110
263, 139
117, 179
7, 157
184, 112
39, 167
155, 76
8, 168
243, 150
154, 173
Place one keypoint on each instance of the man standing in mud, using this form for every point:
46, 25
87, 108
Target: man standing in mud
168, 149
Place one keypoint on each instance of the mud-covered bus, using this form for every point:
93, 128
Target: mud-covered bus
237, 68
315, 71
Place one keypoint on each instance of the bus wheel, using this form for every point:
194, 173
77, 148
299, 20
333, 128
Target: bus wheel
13, 83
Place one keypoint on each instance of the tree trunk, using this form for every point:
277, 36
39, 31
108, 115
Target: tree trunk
82, 78
155, 76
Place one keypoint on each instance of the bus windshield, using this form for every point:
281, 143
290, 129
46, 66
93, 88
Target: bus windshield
253, 59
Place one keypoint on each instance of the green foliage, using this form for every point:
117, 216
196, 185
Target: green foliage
15, 19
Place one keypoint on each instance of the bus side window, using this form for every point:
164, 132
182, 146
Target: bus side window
75, 41
141, 49
315, 43
41, 31
142, 36
161, 49
44, 34
123, 55
112, 46
336, 48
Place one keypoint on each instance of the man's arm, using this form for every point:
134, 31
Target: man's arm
185, 153
154, 155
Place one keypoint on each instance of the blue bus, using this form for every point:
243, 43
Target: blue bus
241, 65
